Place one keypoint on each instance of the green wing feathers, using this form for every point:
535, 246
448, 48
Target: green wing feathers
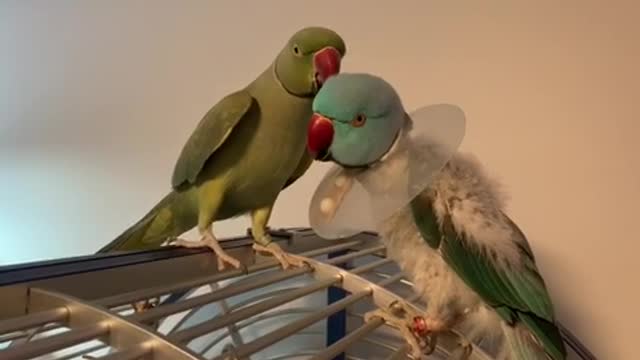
519, 296
173, 216
170, 217
522, 345
214, 128
426, 221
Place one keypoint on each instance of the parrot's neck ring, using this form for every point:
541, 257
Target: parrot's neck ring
397, 145
389, 153
394, 149
274, 72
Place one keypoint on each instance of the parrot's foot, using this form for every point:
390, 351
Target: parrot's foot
208, 240
286, 260
403, 319
462, 352
416, 346
142, 306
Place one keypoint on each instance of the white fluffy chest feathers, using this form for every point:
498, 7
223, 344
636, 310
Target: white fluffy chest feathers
433, 279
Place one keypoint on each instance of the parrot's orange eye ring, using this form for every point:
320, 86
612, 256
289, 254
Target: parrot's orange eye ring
359, 120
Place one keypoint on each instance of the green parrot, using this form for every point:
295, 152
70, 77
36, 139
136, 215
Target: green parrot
444, 224
246, 149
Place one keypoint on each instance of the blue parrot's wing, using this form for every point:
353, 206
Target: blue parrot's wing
348, 201
517, 293
212, 131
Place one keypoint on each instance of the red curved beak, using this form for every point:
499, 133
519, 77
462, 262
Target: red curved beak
326, 63
319, 135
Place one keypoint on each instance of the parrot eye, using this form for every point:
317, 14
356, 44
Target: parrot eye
359, 120
296, 50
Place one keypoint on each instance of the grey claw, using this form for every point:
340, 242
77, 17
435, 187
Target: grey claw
431, 344
396, 308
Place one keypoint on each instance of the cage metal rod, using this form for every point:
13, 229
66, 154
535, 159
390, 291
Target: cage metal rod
263, 296
414, 298
137, 295
55, 342
32, 320
232, 329
380, 343
391, 279
294, 355
354, 255
385, 275
279, 334
125, 307
216, 295
399, 354
329, 249
341, 345
370, 266
293, 327
255, 320
133, 353
219, 322
12, 336
82, 352
183, 320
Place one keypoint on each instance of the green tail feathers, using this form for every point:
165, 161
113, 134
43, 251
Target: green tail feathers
545, 343
168, 218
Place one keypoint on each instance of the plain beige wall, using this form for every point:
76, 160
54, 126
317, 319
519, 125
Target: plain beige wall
97, 98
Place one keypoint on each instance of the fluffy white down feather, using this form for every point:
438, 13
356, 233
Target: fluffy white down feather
474, 202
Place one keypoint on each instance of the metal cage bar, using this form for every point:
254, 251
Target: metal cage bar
89, 298
336, 323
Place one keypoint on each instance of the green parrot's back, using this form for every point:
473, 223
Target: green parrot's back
254, 146
264, 150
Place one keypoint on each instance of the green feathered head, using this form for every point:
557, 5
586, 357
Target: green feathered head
309, 58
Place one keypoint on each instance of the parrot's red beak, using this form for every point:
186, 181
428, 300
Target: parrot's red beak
326, 63
319, 136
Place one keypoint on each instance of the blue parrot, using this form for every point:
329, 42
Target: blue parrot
440, 216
